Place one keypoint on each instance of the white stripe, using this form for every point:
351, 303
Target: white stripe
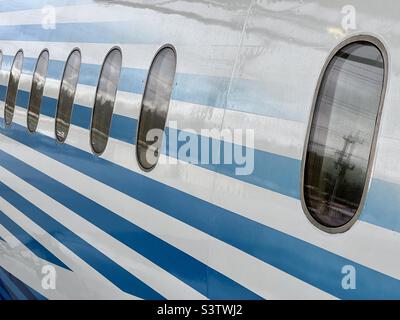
11, 241
83, 283
284, 213
270, 282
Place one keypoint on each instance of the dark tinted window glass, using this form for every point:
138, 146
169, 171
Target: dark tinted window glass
67, 95
38, 82
155, 106
105, 98
342, 133
15, 75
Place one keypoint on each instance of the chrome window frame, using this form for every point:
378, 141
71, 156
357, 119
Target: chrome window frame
8, 86
381, 47
165, 46
30, 92
59, 92
95, 96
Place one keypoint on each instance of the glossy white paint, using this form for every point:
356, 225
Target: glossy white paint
190, 240
277, 47
282, 212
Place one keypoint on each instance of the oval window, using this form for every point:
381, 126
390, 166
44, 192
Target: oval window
12, 89
342, 134
66, 96
38, 82
155, 105
105, 99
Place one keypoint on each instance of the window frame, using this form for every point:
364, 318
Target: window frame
95, 96
165, 46
371, 159
8, 86
59, 93
44, 86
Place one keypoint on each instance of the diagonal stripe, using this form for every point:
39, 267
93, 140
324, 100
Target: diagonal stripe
174, 261
224, 258
4, 295
83, 283
141, 268
29, 242
92, 256
296, 257
12, 288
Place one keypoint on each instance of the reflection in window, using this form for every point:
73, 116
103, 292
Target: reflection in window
15, 75
155, 106
105, 98
67, 94
38, 82
342, 134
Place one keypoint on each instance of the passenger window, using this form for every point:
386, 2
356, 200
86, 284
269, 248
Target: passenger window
38, 82
105, 99
154, 110
12, 89
342, 135
66, 96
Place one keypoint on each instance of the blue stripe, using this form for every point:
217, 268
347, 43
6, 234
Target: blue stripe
29, 242
4, 294
209, 89
382, 205
303, 260
105, 266
181, 265
18, 5
197, 89
12, 288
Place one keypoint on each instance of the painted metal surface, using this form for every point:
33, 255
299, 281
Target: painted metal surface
190, 230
